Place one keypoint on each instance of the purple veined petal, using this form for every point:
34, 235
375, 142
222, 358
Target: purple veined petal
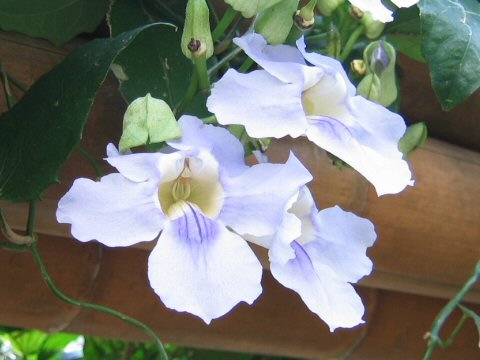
263, 104
140, 166
255, 201
200, 267
376, 8
375, 160
224, 146
333, 300
282, 61
329, 65
340, 242
115, 211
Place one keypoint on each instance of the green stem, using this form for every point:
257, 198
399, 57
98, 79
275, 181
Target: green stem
202, 72
91, 160
6, 85
455, 331
210, 120
32, 213
213, 10
106, 310
224, 60
246, 65
318, 37
352, 40
222, 26
434, 333
191, 91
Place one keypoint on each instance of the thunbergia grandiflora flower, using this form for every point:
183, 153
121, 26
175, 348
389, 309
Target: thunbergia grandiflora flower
378, 10
321, 258
289, 97
200, 199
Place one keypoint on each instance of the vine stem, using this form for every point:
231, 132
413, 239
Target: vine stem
352, 40
433, 335
96, 166
227, 19
51, 284
53, 287
224, 60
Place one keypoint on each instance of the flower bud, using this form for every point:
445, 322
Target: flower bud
413, 138
373, 28
275, 22
197, 38
380, 84
355, 12
327, 7
359, 67
305, 17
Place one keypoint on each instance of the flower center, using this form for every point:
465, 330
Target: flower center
326, 97
197, 184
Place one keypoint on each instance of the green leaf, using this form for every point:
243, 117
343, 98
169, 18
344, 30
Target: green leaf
414, 137
474, 316
148, 120
154, 62
410, 45
55, 20
27, 342
40, 132
55, 344
451, 46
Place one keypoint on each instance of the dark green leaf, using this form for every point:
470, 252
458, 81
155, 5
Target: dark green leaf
451, 46
154, 63
407, 21
40, 132
55, 20
55, 344
410, 45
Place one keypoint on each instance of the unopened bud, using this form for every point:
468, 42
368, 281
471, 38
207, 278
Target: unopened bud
305, 17
373, 28
275, 22
197, 38
355, 12
414, 137
327, 7
380, 60
359, 67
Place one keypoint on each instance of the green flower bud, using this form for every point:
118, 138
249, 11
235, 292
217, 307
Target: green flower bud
327, 7
305, 17
197, 38
380, 84
359, 67
414, 137
373, 28
148, 121
275, 23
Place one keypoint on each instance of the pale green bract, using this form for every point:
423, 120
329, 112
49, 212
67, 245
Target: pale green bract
148, 120
249, 8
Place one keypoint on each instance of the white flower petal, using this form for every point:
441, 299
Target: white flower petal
372, 155
405, 3
255, 200
114, 211
263, 104
341, 242
224, 146
282, 61
333, 300
136, 167
376, 8
329, 65
200, 267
